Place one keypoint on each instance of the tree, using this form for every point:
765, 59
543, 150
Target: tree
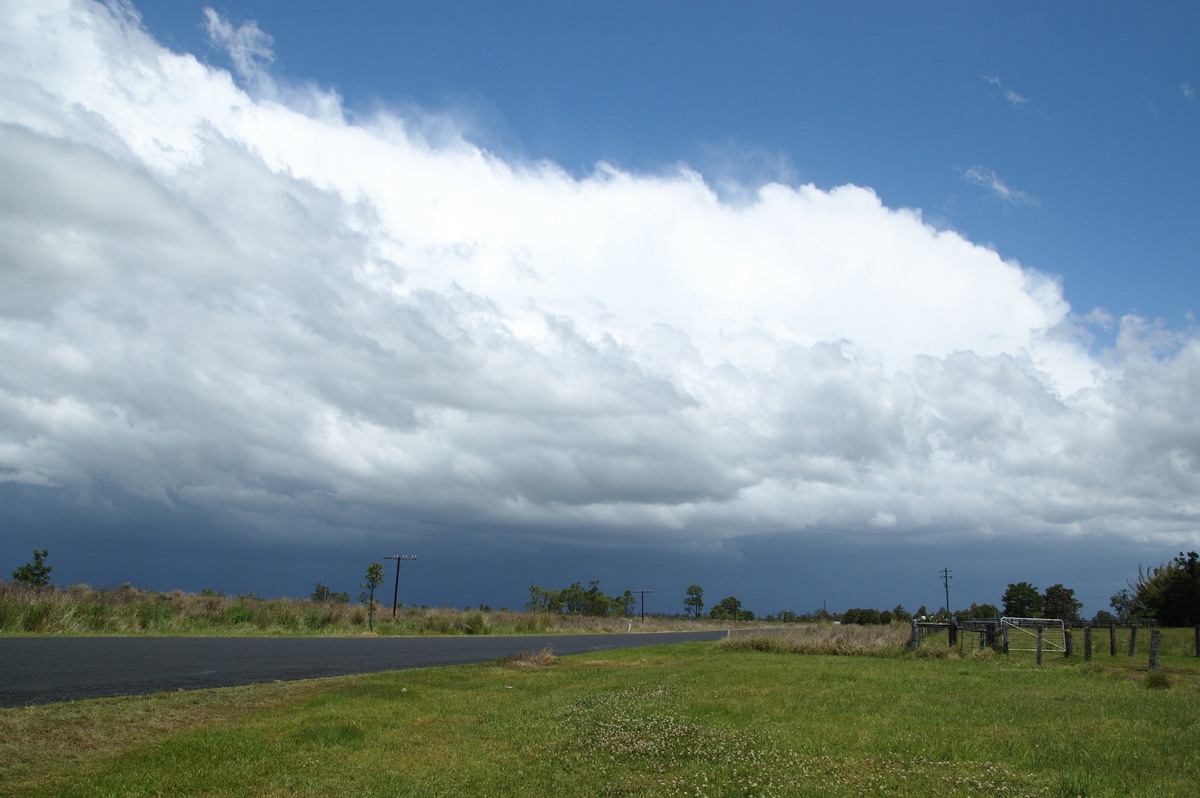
979, 612
901, 614
730, 609
1022, 600
624, 603
1059, 602
322, 594
374, 579
1170, 593
543, 600
575, 600
36, 573
1124, 603
693, 604
861, 616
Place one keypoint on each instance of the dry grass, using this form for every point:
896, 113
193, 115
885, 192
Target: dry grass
530, 661
891, 641
81, 610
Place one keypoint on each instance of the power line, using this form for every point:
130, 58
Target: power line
643, 595
396, 587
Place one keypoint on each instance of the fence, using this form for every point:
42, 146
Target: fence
1038, 635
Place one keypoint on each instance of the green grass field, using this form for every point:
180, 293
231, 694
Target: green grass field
682, 720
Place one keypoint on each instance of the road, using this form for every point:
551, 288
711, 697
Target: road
41, 670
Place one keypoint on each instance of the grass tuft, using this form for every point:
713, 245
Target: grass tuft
529, 661
1157, 680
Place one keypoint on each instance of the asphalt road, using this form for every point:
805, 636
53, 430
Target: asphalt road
42, 670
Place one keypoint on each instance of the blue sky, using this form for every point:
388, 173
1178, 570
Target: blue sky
801, 303
1086, 111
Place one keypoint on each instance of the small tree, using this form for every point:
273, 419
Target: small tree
1124, 603
730, 609
693, 604
322, 594
374, 579
36, 573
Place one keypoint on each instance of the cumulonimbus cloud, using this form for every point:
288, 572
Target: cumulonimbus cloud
263, 304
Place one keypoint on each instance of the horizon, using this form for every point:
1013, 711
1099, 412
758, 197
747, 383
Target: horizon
802, 304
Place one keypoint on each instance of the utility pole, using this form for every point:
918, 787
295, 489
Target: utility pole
643, 595
396, 587
946, 577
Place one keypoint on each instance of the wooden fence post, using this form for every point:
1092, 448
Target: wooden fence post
1068, 643
953, 632
1132, 640
915, 642
1198, 640
1087, 644
1112, 640
1155, 635
1005, 638
1039, 648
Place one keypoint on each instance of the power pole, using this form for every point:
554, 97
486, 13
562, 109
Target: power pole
946, 577
642, 593
396, 587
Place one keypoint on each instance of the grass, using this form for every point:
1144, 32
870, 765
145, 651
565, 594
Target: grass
81, 610
681, 720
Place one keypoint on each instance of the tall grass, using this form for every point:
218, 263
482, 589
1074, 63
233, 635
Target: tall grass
81, 610
825, 638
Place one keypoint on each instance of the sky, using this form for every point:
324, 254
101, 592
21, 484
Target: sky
799, 302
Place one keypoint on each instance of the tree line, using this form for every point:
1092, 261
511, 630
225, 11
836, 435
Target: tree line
1168, 594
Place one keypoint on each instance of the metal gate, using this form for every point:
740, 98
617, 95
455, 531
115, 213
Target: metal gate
1021, 634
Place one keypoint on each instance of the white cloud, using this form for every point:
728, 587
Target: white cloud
251, 304
248, 48
988, 179
1013, 98
1185, 88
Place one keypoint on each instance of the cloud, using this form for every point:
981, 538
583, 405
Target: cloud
1185, 88
988, 179
1013, 99
250, 50
311, 327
